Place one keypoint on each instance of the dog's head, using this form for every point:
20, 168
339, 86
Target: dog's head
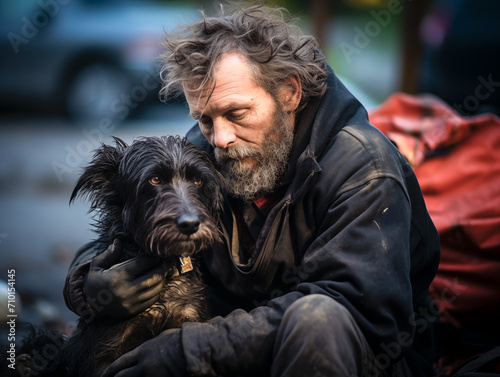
164, 192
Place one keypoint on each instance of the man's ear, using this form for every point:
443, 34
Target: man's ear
290, 93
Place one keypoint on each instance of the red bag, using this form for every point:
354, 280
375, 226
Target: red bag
457, 162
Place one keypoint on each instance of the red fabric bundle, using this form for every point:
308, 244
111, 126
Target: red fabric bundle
457, 162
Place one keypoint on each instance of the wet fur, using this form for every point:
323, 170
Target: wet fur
144, 217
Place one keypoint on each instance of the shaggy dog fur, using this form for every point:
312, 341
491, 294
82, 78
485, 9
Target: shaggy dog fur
160, 197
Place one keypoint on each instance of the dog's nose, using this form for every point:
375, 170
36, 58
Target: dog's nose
188, 224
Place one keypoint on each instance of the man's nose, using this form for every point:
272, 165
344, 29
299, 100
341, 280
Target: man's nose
223, 134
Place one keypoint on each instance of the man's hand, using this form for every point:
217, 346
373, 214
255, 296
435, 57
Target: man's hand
124, 289
159, 357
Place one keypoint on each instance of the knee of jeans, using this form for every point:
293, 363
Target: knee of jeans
316, 313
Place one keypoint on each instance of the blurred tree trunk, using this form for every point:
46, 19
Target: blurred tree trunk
320, 16
413, 14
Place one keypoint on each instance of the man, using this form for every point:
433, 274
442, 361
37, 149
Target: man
328, 251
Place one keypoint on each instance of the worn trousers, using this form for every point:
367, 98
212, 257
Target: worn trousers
319, 337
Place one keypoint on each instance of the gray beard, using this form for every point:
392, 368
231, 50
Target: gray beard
248, 182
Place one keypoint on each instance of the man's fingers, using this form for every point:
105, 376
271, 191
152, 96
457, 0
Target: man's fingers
109, 256
134, 371
149, 292
124, 366
139, 266
131, 372
148, 302
150, 278
143, 306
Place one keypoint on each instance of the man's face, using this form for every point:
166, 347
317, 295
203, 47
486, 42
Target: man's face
252, 134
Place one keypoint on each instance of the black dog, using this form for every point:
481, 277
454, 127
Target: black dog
160, 197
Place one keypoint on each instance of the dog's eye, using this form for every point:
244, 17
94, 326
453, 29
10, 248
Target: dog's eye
155, 181
198, 182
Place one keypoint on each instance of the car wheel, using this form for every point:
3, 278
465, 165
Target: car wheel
94, 90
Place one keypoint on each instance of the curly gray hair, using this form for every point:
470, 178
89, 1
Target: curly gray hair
275, 48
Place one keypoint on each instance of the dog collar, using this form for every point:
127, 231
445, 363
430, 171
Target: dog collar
186, 266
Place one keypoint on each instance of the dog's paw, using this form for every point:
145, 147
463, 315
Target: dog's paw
24, 365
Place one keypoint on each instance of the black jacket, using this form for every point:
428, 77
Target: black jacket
352, 225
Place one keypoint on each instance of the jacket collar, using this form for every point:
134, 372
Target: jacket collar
337, 109
317, 125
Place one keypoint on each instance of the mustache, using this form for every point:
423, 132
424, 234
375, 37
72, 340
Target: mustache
236, 153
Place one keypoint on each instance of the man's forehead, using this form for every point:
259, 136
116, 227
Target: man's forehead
197, 101
232, 75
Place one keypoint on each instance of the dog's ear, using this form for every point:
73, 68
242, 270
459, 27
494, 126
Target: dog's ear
216, 188
98, 180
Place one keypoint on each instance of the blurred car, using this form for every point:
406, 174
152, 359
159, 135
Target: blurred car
91, 59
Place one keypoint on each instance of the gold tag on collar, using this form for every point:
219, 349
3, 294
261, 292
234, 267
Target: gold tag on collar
186, 264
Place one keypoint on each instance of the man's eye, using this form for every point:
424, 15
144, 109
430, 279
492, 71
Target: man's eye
198, 182
237, 115
205, 121
155, 181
